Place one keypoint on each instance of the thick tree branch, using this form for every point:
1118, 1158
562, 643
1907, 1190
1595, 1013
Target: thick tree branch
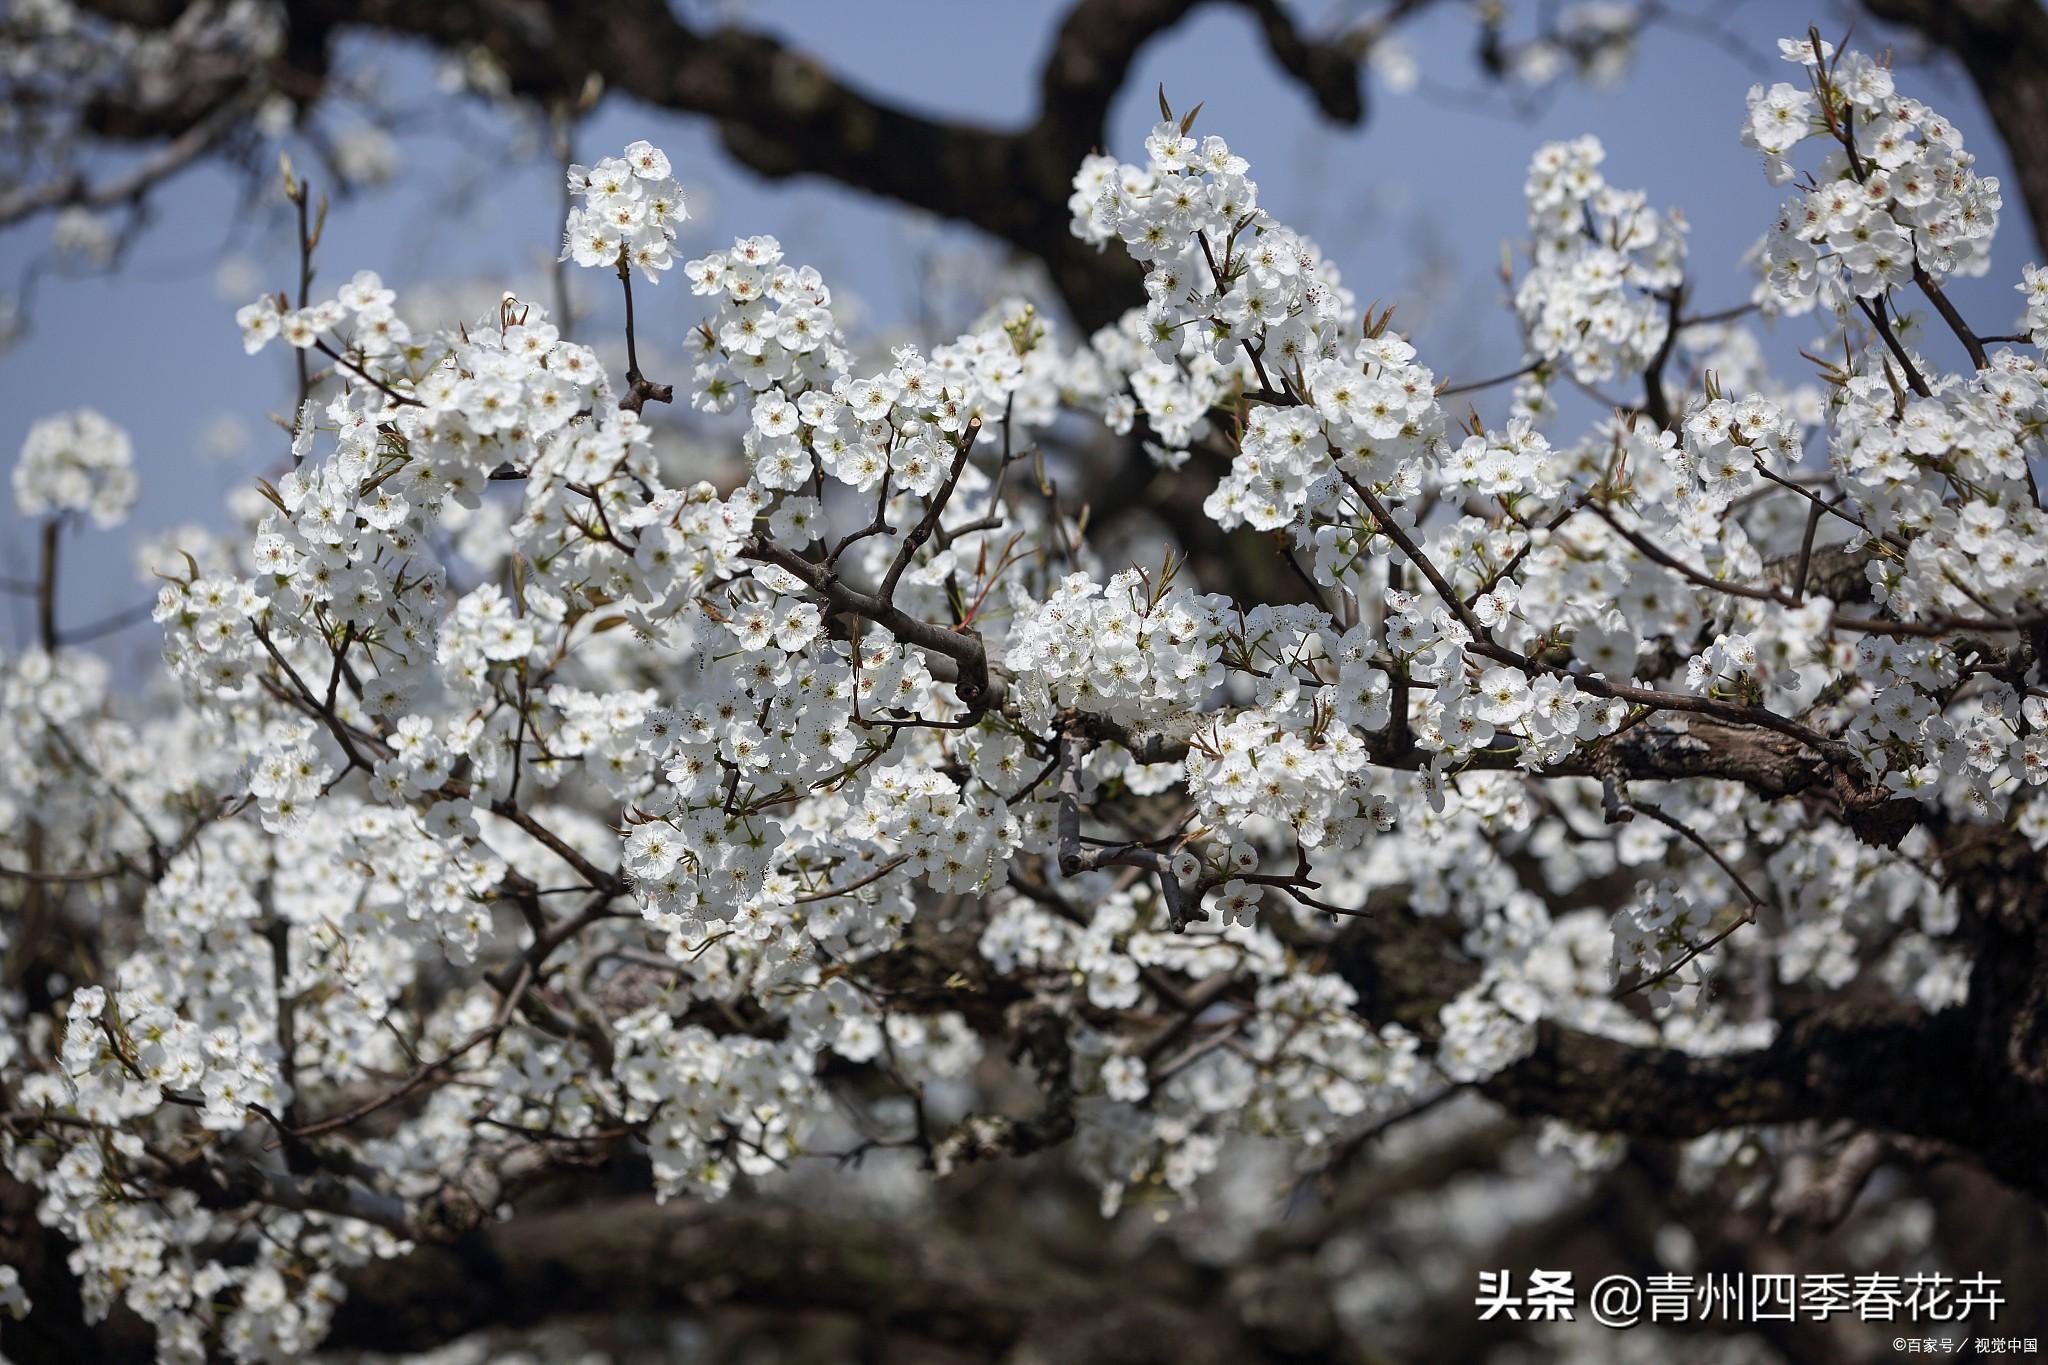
991, 1298
1957, 1077
195, 141
1099, 41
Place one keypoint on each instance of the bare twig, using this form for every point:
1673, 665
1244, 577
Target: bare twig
639, 388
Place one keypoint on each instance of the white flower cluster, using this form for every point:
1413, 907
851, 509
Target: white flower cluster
1951, 469
704, 1088
1726, 442
1726, 667
1127, 649
1369, 412
2034, 286
774, 324
788, 710
187, 1027
1894, 198
1305, 1066
511, 759
1604, 265
1487, 1029
1260, 771
1233, 295
1506, 463
627, 212
369, 309
341, 549
76, 462
1654, 936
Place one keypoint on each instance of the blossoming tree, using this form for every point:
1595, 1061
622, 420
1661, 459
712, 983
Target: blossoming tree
529, 806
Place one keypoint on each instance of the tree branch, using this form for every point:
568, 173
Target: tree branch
990, 1297
188, 146
1884, 1066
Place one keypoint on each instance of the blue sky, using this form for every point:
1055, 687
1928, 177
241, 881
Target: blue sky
1414, 206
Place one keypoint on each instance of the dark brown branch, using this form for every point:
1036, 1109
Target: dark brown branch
639, 389
1731, 712
46, 585
1875, 312
987, 1297
963, 647
1474, 385
1942, 305
301, 195
1656, 404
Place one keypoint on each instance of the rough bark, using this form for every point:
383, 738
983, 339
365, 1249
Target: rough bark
987, 1297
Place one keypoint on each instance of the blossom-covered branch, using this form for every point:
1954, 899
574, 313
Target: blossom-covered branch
532, 803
